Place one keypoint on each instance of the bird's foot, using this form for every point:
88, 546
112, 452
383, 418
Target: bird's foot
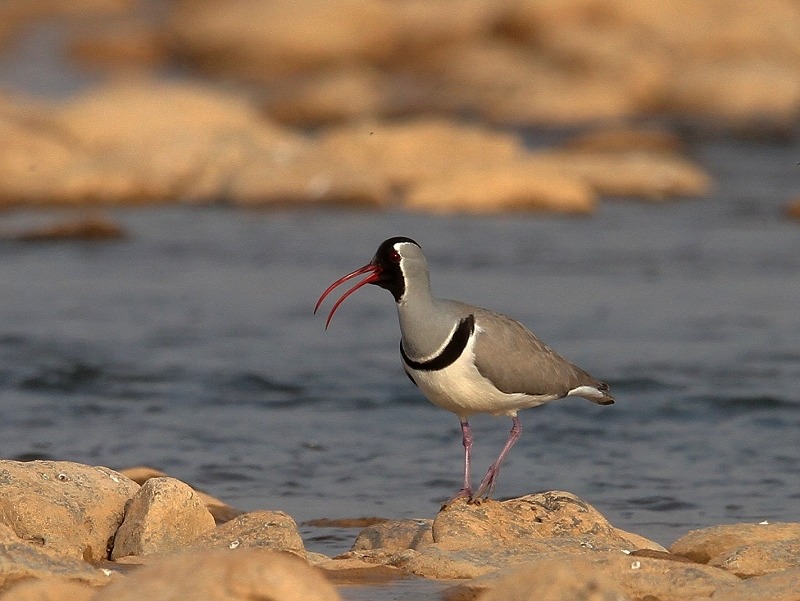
486, 487
464, 493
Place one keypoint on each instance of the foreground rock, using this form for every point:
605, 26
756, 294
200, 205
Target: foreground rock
70, 509
163, 516
223, 576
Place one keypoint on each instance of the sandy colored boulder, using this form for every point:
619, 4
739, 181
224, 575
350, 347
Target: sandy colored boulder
706, 543
516, 521
164, 515
21, 561
394, 535
262, 39
567, 580
50, 589
653, 176
632, 577
762, 558
69, 508
243, 574
516, 186
258, 529
793, 209
778, 586
221, 511
415, 150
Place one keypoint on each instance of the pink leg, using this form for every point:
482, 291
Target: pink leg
466, 489
487, 484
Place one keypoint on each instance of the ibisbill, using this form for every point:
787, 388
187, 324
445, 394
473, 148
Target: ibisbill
466, 359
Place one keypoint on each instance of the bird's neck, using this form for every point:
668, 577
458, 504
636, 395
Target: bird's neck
423, 324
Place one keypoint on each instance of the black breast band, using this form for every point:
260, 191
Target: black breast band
449, 353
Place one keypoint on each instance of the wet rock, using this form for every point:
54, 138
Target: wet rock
50, 589
778, 586
626, 139
118, 44
793, 209
221, 511
22, 561
631, 577
258, 529
71, 509
516, 186
706, 543
163, 516
758, 559
395, 535
567, 580
352, 570
223, 576
86, 229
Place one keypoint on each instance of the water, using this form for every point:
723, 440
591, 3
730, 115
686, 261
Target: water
191, 347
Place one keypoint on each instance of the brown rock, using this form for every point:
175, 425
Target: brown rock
778, 586
793, 209
395, 535
69, 508
258, 529
87, 229
352, 570
758, 559
21, 561
704, 544
164, 515
626, 139
555, 580
516, 186
122, 43
223, 576
50, 589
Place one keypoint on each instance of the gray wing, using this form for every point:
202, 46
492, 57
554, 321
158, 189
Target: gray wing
509, 355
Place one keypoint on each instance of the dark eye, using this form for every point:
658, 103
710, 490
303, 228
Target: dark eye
394, 256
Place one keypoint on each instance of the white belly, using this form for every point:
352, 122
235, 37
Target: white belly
461, 388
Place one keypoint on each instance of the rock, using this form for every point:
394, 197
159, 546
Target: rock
394, 535
516, 186
223, 576
352, 570
69, 508
87, 229
778, 586
163, 516
706, 543
221, 511
793, 209
261, 39
631, 577
545, 515
21, 561
653, 176
555, 580
758, 559
412, 151
50, 589
258, 529
625, 139
115, 44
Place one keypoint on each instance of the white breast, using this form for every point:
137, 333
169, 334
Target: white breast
461, 388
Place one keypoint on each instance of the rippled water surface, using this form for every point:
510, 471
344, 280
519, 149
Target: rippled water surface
191, 347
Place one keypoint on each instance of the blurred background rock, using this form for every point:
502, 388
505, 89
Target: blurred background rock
431, 105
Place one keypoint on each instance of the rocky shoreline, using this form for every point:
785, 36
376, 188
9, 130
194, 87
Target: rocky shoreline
72, 531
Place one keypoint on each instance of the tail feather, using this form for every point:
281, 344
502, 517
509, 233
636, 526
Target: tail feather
597, 393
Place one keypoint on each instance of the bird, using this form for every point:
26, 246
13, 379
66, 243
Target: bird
466, 359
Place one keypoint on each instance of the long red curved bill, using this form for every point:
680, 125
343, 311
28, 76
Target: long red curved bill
374, 273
